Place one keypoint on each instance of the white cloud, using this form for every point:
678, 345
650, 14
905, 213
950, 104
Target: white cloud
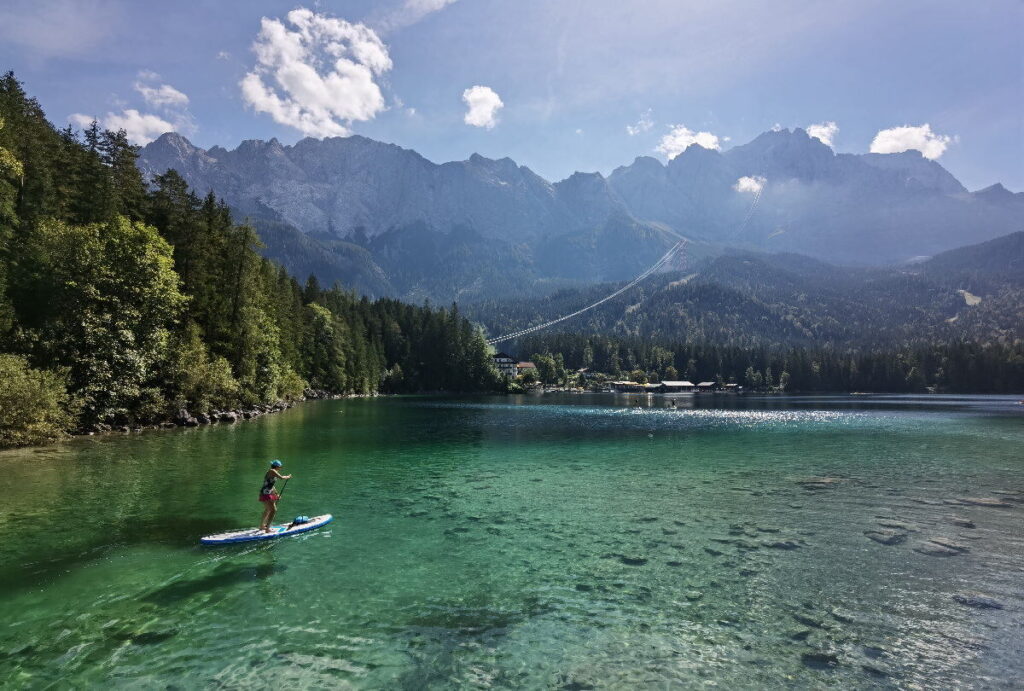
81, 120
579, 132
897, 139
411, 12
141, 128
483, 106
163, 96
680, 137
317, 76
752, 185
824, 131
642, 125
223, 55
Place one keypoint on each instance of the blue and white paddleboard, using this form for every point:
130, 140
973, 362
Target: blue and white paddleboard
255, 534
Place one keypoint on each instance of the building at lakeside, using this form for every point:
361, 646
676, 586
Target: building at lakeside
677, 387
522, 367
707, 386
506, 364
626, 387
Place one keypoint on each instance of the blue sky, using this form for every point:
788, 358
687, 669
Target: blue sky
574, 77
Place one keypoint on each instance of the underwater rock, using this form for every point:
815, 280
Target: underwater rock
631, 560
820, 659
899, 525
693, 595
941, 547
816, 483
809, 621
987, 501
886, 537
783, 544
978, 601
962, 522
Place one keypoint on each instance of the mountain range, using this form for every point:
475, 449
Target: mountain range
384, 220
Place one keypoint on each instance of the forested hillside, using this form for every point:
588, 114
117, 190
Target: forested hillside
744, 299
953, 323
122, 302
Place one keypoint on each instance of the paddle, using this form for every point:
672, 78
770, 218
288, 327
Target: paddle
283, 487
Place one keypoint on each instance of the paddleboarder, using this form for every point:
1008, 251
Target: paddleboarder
269, 495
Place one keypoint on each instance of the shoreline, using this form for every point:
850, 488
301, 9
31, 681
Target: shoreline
229, 416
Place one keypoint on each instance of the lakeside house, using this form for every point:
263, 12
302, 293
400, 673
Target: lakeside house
521, 367
677, 387
626, 387
506, 364
707, 386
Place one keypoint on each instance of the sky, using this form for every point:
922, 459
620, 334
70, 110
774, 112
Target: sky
557, 85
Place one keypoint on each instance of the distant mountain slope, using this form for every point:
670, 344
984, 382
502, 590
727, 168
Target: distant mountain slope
866, 209
383, 219
748, 298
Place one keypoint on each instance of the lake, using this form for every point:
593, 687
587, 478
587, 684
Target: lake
556, 541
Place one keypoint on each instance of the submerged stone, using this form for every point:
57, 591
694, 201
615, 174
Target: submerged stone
977, 601
886, 537
782, 544
987, 501
899, 525
941, 547
820, 659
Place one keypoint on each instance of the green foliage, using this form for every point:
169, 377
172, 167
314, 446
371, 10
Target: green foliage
156, 300
545, 368
959, 367
34, 404
195, 379
291, 386
111, 298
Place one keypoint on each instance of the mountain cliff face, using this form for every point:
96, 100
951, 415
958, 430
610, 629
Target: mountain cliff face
849, 209
383, 219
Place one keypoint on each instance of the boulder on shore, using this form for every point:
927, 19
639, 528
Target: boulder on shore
228, 417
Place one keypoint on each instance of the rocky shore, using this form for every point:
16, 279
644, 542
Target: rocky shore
185, 418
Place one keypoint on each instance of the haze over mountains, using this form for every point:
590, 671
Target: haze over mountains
385, 220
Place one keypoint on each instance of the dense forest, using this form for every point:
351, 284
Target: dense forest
960, 367
954, 323
124, 300
750, 299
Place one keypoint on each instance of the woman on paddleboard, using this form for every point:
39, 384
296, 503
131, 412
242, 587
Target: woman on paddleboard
269, 495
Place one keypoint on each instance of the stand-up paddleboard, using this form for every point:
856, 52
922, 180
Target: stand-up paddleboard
255, 534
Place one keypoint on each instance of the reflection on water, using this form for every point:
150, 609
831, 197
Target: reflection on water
577, 541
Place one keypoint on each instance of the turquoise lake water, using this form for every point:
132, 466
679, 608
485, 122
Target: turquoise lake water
557, 541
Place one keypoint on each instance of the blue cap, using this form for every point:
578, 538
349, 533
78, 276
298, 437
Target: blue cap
275, 463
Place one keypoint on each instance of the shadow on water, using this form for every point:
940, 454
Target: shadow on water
181, 532
224, 576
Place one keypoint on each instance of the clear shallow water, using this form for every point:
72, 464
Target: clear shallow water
540, 542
